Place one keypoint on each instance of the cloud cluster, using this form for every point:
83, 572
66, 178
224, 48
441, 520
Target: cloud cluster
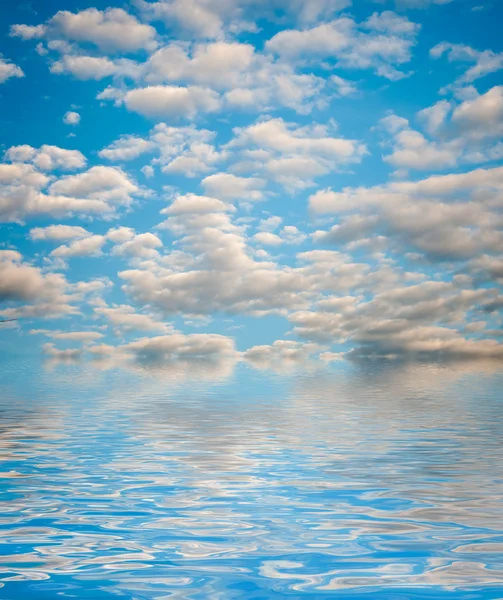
213, 270
269, 150
293, 156
381, 43
125, 242
213, 19
26, 290
110, 30
27, 192
403, 265
171, 347
125, 318
47, 158
185, 80
466, 132
484, 62
445, 217
422, 319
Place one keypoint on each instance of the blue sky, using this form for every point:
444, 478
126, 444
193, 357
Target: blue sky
248, 180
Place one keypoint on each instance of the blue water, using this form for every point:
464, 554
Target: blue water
212, 482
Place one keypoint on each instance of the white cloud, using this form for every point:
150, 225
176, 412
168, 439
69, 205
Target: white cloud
104, 184
110, 30
75, 336
28, 32
125, 318
88, 246
380, 43
464, 132
482, 116
219, 65
270, 224
175, 346
119, 235
214, 268
148, 171
95, 67
191, 16
71, 118
288, 235
69, 354
281, 355
58, 233
292, 155
127, 147
192, 204
230, 187
410, 265
142, 245
171, 101
267, 238
249, 78
434, 116
343, 86
211, 270
417, 319
47, 158
26, 291
413, 151
324, 40
211, 19
449, 217
277, 135
126, 242
100, 190
8, 70
485, 62
226, 73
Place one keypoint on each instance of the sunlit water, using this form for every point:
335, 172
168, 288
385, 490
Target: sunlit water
203, 482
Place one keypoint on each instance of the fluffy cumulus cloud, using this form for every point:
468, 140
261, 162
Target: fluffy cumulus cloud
291, 155
333, 170
110, 30
125, 318
166, 101
185, 150
422, 319
453, 133
214, 269
210, 19
25, 290
171, 347
71, 118
445, 217
382, 43
482, 62
126, 148
8, 70
58, 233
27, 192
47, 158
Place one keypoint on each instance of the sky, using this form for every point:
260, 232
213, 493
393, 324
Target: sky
248, 180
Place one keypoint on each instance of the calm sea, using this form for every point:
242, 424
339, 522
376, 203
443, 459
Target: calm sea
213, 481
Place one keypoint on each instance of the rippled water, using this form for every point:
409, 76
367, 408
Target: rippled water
200, 482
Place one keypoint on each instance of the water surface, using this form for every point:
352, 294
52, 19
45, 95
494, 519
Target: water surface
209, 482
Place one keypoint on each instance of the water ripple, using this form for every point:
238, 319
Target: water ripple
381, 482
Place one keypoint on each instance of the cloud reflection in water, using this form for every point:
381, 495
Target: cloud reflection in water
202, 480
